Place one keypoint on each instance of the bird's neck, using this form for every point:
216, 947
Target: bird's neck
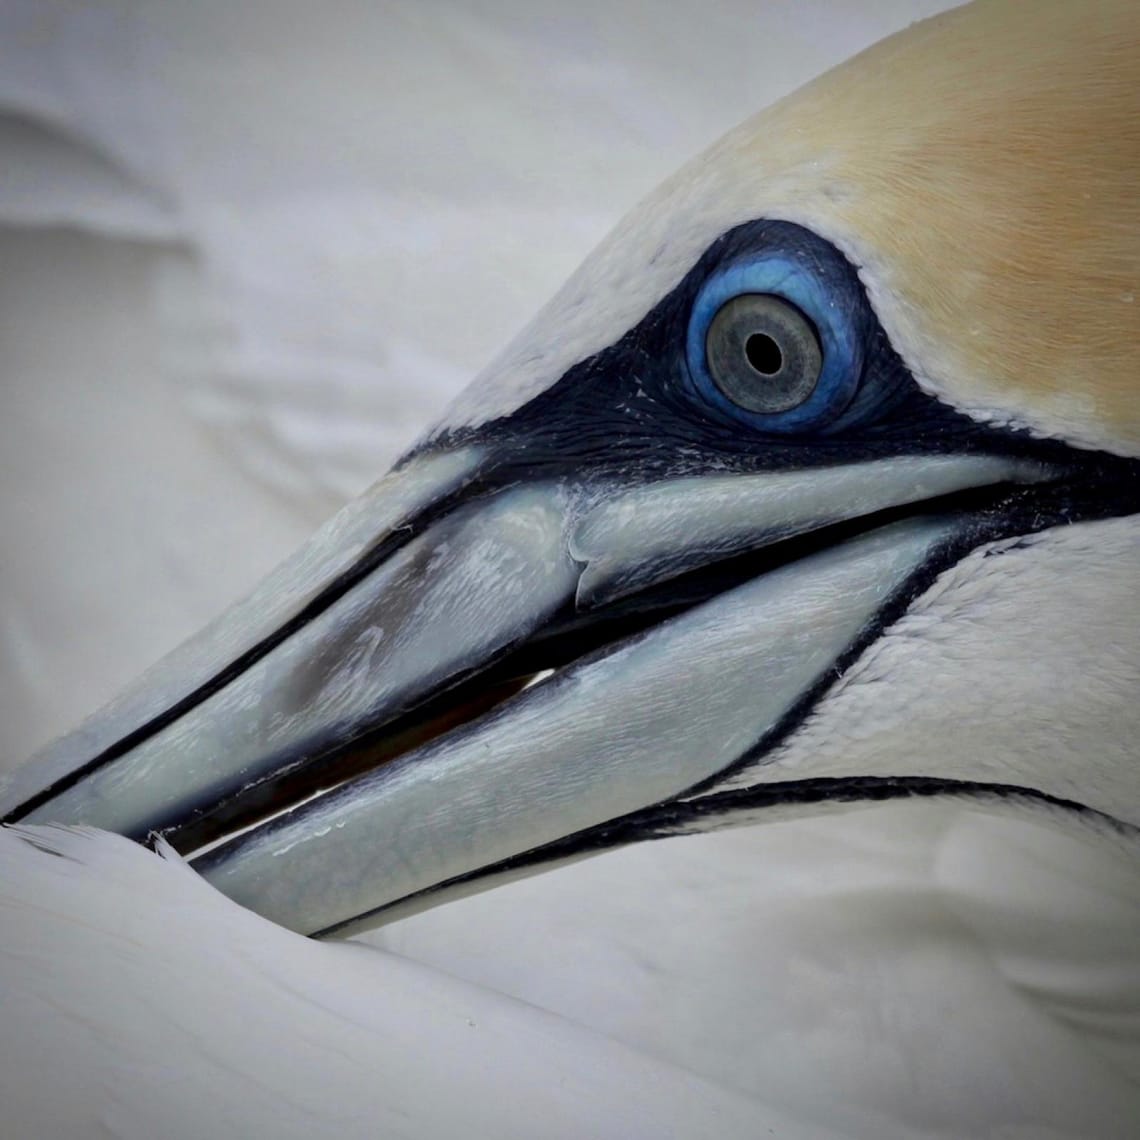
1018, 668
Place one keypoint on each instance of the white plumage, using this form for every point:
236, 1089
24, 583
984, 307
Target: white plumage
138, 1003
914, 970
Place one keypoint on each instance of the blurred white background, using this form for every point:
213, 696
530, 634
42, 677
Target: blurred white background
250, 250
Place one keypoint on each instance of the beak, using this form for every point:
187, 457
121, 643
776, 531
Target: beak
477, 660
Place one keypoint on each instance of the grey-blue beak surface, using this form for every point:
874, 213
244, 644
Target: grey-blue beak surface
468, 668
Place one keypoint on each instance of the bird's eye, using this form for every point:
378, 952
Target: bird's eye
773, 343
763, 353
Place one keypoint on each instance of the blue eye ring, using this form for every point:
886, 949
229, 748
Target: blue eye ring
790, 281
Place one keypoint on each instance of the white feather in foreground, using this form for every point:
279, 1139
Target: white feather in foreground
148, 1005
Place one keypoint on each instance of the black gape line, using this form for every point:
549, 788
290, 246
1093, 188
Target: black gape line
674, 818
628, 411
631, 411
1015, 512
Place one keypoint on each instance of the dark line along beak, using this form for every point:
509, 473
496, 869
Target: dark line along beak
371, 648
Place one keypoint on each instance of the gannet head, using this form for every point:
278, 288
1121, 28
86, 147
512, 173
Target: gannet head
816, 484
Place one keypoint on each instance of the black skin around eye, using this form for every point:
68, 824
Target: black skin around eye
630, 408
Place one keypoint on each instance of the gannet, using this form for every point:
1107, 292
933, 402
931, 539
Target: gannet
815, 486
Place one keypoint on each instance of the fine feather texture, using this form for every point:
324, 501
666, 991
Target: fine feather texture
936, 970
979, 168
149, 1005
1036, 637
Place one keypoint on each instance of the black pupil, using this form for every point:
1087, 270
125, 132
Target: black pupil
764, 354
